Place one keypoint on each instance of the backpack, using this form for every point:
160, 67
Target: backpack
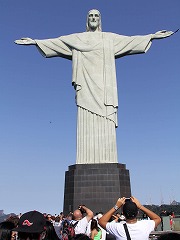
68, 232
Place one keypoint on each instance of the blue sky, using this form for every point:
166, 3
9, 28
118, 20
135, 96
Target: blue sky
38, 112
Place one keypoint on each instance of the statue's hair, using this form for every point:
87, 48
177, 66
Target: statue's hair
100, 23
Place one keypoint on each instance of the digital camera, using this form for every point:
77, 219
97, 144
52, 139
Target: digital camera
81, 209
127, 199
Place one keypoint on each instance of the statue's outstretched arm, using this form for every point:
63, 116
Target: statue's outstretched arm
162, 34
25, 41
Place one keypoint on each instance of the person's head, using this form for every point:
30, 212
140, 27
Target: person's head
94, 225
49, 217
169, 236
31, 225
130, 210
14, 219
77, 215
93, 21
50, 232
65, 223
70, 216
6, 232
57, 219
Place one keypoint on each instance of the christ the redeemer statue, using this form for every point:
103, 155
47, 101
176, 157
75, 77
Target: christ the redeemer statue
93, 55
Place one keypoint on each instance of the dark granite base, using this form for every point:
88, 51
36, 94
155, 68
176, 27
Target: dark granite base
98, 186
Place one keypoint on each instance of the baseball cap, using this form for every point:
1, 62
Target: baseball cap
130, 210
31, 222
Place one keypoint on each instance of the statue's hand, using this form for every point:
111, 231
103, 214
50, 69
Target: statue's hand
25, 41
162, 34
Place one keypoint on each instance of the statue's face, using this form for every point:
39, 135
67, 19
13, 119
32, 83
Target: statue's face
93, 20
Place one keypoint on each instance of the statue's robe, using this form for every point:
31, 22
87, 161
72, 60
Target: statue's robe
93, 56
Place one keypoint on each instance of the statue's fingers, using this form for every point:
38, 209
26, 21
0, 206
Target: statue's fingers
19, 41
25, 38
169, 33
163, 31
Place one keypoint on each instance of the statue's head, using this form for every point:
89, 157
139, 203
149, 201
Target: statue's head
93, 21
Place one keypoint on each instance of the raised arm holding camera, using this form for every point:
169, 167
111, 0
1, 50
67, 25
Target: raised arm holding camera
78, 215
136, 229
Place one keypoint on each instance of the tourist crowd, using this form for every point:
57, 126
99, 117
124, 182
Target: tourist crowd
83, 224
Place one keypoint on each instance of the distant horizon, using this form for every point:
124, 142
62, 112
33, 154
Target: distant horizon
178, 203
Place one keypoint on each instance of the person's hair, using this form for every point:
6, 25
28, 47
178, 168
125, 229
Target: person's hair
169, 236
48, 216
130, 210
6, 230
25, 235
13, 219
70, 215
57, 219
53, 218
65, 223
87, 21
94, 225
50, 232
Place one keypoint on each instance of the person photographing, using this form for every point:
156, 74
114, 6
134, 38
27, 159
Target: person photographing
132, 229
80, 220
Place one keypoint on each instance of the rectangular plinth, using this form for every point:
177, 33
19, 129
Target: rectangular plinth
98, 186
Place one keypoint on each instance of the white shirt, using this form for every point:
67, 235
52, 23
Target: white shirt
138, 231
81, 227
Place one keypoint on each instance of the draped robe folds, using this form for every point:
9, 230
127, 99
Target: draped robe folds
93, 57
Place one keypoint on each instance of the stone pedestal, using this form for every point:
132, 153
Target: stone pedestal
98, 186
